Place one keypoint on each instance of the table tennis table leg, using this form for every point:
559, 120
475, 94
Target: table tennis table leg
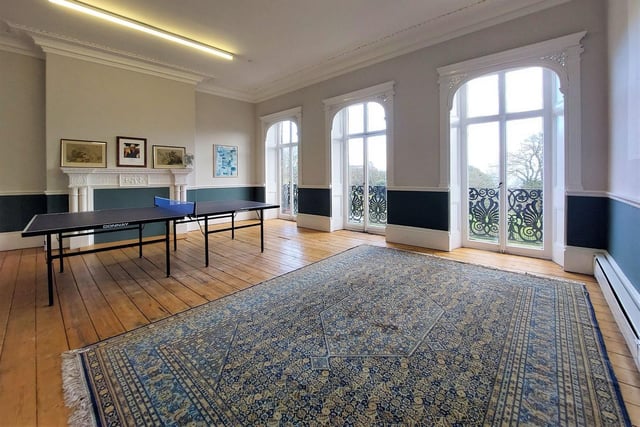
60, 251
166, 247
175, 236
206, 241
140, 240
233, 226
261, 213
50, 270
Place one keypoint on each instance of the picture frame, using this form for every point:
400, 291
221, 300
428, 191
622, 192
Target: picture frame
78, 153
225, 161
168, 157
132, 152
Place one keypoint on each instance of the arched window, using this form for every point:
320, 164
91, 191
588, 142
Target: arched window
360, 125
562, 127
282, 161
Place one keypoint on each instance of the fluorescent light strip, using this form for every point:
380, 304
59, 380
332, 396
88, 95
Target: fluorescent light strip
129, 23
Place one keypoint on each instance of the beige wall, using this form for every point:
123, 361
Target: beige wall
90, 101
416, 112
225, 122
624, 92
22, 131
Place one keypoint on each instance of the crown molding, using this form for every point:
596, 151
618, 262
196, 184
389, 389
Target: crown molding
15, 43
91, 54
237, 94
428, 33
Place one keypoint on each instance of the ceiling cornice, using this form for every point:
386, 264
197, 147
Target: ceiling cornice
420, 36
10, 41
64, 46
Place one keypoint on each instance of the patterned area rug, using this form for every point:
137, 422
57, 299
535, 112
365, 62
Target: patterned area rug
372, 336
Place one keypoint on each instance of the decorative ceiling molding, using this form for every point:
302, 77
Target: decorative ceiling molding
416, 37
17, 42
78, 49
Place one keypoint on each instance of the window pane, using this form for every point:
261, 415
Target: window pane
375, 117
525, 153
294, 132
482, 96
523, 90
377, 156
286, 132
355, 119
483, 155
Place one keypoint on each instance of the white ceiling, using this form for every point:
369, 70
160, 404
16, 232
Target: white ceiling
280, 45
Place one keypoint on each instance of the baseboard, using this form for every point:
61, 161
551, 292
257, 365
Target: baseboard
422, 237
580, 260
623, 300
14, 240
314, 222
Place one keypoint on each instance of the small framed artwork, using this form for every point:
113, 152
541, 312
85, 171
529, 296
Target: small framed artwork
132, 151
225, 161
167, 157
83, 154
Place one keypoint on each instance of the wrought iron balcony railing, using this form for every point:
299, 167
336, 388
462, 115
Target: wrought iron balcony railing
285, 206
377, 204
524, 215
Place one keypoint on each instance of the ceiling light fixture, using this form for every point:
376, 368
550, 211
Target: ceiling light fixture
148, 29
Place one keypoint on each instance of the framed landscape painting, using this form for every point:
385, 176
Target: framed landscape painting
132, 151
225, 161
168, 157
83, 154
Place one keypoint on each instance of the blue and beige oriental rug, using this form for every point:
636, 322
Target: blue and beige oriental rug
372, 336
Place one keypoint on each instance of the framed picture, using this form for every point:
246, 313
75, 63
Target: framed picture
225, 161
83, 154
132, 151
167, 157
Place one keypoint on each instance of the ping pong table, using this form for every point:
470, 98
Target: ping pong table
73, 224
216, 209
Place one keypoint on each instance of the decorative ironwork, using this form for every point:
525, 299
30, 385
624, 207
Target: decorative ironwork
524, 215
377, 204
285, 204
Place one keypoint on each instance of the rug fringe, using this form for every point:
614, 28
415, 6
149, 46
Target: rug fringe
76, 393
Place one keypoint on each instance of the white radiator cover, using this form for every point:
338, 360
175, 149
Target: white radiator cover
623, 300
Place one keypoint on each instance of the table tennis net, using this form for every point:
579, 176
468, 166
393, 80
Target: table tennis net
184, 208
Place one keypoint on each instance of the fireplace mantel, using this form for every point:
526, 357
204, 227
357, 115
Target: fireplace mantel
83, 180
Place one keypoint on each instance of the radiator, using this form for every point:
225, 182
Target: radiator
623, 300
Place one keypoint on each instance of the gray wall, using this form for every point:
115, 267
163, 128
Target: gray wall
22, 127
91, 101
226, 122
416, 112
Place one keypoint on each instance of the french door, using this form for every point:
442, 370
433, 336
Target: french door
366, 168
504, 120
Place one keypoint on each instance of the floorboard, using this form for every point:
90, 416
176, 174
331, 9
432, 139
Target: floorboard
103, 294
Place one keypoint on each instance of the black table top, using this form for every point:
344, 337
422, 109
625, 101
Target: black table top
64, 222
220, 207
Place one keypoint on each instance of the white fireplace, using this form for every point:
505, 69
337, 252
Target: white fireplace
82, 182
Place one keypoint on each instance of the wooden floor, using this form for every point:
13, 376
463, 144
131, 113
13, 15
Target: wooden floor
104, 294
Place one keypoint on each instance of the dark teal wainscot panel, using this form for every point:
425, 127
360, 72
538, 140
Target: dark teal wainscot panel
421, 209
111, 198
17, 210
587, 219
227, 193
57, 203
314, 201
624, 239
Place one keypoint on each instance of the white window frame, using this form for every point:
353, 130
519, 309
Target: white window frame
272, 189
561, 55
383, 94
